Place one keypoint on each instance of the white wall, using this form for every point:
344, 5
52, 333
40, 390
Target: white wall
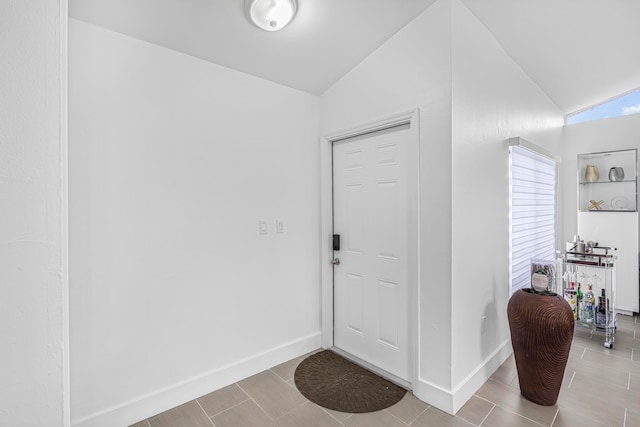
33, 272
618, 133
473, 97
173, 162
493, 99
412, 70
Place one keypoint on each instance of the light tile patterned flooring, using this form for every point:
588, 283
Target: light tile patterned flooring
601, 388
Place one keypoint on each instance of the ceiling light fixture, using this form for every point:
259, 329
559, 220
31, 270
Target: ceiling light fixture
271, 15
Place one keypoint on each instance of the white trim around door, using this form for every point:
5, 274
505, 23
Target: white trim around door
410, 118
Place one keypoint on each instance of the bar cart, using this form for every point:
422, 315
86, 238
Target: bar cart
589, 286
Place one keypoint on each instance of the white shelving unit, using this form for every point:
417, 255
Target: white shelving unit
615, 223
606, 194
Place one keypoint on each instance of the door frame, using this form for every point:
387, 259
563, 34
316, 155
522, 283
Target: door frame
412, 118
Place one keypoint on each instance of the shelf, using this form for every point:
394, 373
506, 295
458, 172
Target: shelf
597, 193
627, 181
608, 210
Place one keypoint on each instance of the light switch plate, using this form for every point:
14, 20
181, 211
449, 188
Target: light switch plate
262, 224
280, 225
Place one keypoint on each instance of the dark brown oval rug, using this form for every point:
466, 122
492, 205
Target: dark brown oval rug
334, 382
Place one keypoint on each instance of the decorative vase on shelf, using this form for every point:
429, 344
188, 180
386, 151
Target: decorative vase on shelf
616, 173
541, 326
591, 173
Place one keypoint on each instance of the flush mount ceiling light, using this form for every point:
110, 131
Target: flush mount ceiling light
271, 15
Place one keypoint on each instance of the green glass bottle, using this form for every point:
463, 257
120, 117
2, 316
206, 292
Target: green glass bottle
579, 302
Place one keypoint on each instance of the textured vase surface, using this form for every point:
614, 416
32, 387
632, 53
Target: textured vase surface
616, 174
541, 332
591, 173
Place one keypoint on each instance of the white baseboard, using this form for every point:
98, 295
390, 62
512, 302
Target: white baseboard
450, 401
161, 400
434, 395
623, 311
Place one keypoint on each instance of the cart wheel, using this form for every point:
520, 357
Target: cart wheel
608, 344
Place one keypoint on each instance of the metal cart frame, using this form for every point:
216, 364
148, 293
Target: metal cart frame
577, 265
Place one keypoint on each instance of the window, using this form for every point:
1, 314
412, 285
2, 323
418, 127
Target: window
532, 188
623, 105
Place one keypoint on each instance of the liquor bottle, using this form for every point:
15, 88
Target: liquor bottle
601, 313
579, 302
588, 300
570, 297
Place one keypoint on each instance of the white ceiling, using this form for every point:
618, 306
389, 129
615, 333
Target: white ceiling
580, 52
326, 39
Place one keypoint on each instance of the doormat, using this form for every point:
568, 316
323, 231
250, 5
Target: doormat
334, 382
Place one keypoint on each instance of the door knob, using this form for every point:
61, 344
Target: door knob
335, 261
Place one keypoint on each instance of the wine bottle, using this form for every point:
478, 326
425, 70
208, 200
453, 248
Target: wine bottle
580, 304
601, 313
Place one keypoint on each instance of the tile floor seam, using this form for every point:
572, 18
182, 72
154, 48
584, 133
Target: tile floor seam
293, 386
205, 413
520, 415
418, 416
348, 418
553, 421
402, 421
609, 354
257, 404
262, 409
501, 407
229, 408
279, 376
306, 402
468, 421
571, 381
619, 370
277, 420
148, 422
482, 398
488, 413
507, 385
326, 411
629, 382
584, 350
624, 421
286, 412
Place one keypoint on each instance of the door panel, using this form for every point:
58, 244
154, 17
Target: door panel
371, 315
355, 215
355, 301
388, 312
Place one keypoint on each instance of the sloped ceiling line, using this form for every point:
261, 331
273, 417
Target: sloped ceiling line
578, 53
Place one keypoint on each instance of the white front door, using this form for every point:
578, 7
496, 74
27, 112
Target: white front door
371, 290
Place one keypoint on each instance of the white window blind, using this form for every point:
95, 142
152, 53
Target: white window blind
533, 212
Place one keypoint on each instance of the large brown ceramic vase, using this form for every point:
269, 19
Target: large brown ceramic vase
541, 332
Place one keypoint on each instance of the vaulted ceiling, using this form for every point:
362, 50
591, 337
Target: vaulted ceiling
580, 52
